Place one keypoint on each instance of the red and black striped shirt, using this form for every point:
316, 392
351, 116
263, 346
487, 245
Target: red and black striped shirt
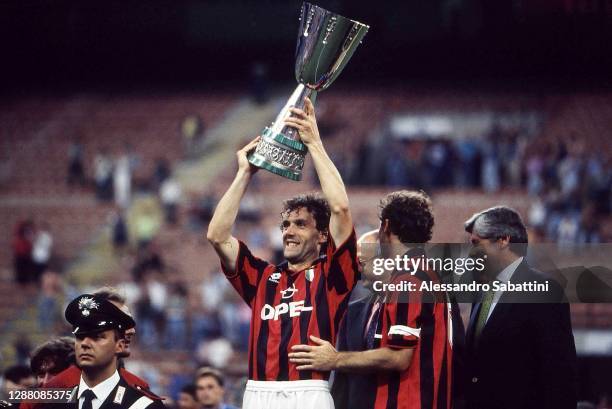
288, 306
421, 321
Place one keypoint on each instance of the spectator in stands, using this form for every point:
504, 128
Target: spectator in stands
205, 321
103, 175
188, 398
122, 179
23, 347
120, 230
42, 249
491, 162
192, 131
437, 161
468, 173
50, 300
51, 358
150, 309
395, 168
170, 196
76, 171
161, 173
17, 377
22, 252
209, 389
148, 258
176, 316
201, 210
147, 224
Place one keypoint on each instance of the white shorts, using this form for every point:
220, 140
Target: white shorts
306, 394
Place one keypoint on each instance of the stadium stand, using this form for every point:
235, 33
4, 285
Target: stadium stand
37, 136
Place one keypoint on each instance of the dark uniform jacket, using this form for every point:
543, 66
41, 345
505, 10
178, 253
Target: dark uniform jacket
124, 396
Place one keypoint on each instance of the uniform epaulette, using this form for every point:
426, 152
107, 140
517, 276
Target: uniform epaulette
147, 393
132, 379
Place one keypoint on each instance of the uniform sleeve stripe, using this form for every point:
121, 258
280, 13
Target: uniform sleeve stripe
141, 403
404, 330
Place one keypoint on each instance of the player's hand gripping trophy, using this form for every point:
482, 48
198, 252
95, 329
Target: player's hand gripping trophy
326, 42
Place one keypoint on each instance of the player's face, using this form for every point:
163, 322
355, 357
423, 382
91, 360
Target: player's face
488, 250
367, 252
209, 392
48, 369
186, 401
97, 350
301, 239
129, 333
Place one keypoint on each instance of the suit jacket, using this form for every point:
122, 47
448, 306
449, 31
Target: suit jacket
525, 356
351, 390
123, 396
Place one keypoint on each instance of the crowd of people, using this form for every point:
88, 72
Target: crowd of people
32, 250
571, 188
570, 182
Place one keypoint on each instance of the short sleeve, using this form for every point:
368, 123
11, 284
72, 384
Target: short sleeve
342, 270
249, 270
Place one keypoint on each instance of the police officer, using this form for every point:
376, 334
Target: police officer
99, 328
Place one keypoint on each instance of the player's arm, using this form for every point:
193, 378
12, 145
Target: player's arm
340, 223
324, 357
220, 227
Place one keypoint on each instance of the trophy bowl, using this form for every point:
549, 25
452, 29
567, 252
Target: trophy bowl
326, 42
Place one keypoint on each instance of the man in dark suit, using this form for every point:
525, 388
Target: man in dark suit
352, 391
520, 346
99, 328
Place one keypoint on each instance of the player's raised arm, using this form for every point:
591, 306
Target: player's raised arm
220, 228
340, 223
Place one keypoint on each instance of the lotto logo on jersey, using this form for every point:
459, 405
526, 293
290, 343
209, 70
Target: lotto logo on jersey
294, 309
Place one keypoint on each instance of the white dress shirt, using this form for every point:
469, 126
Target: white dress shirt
101, 390
504, 276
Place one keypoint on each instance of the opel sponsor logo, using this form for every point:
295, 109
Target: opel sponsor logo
294, 309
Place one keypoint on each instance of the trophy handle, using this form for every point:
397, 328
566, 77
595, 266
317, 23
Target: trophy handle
297, 100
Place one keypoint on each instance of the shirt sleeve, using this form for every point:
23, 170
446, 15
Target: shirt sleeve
342, 272
249, 270
402, 321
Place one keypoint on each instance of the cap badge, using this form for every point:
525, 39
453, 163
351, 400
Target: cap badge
86, 304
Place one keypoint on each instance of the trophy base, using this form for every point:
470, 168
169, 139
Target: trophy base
280, 155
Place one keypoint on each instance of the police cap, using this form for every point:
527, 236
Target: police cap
89, 313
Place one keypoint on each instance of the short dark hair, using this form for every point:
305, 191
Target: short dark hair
212, 372
315, 204
59, 350
410, 215
110, 294
189, 389
17, 373
498, 222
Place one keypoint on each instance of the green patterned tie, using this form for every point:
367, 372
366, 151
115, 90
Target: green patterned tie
485, 306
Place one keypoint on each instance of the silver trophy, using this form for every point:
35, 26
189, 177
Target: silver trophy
326, 42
